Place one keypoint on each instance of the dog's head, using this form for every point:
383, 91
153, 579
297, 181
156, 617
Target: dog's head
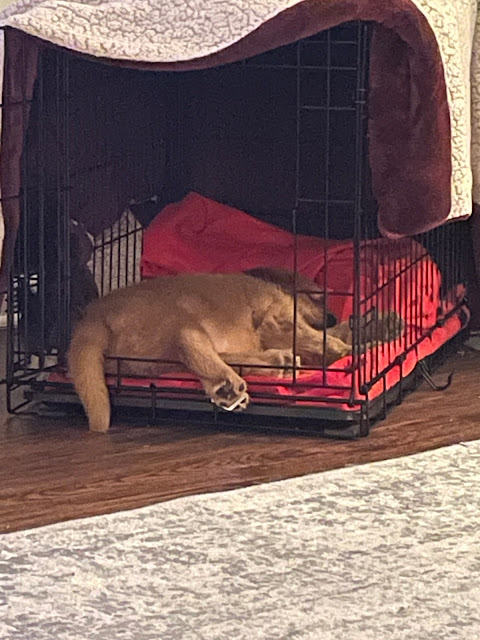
311, 299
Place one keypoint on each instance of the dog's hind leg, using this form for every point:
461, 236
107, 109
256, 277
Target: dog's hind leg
277, 363
221, 383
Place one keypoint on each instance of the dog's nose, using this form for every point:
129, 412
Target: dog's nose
331, 320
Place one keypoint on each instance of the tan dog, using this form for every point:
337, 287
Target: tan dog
202, 322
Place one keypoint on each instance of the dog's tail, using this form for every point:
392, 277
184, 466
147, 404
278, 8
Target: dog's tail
86, 365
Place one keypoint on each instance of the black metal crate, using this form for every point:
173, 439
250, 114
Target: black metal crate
282, 136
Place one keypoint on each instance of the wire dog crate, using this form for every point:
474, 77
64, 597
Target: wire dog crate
281, 136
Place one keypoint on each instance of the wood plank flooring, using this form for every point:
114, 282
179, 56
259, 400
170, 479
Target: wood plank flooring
53, 470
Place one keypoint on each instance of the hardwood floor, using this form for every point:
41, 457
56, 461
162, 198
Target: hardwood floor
53, 470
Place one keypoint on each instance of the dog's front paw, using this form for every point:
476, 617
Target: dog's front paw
282, 361
289, 362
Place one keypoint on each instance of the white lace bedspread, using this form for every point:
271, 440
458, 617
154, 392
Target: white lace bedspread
176, 30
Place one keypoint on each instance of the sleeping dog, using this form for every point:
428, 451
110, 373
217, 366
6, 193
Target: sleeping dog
207, 324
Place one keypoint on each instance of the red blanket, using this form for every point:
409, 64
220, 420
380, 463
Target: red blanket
199, 235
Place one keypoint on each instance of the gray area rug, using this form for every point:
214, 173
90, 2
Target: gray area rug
383, 551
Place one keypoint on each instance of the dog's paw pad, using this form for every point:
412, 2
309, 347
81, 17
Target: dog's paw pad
227, 390
231, 396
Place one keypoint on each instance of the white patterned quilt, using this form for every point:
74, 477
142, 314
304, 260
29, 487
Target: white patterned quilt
178, 30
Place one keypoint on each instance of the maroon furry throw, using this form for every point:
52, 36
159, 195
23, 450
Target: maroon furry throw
409, 127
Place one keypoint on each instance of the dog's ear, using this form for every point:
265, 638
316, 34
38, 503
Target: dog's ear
271, 274
284, 279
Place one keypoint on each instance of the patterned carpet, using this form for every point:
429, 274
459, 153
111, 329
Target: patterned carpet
383, 551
